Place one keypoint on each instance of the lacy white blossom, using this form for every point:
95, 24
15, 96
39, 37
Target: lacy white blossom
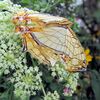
52, 96
28, 80
12, 59
71, 78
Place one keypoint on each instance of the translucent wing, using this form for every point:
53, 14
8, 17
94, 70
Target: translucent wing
38, 51
63, 40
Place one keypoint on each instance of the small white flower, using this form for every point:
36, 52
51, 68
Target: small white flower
53, 74
2, 51
49, 93
37, 83
6, 71
37, 76
53, 69
20, 87
15, 74
1, 65
31, 68
25, 68
24, 60
61, 79
36, 68
33, 93
12, 80
12, 67
21, 70
28, 92
3, 46
40, 73
19, 75
57, 68
57, 65
26, 86
28, 71
17, 78
16, 85
59, 72
9, 63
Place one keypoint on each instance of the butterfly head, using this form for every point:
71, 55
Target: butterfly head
26, 23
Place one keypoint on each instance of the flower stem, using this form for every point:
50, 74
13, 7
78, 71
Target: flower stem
42, 87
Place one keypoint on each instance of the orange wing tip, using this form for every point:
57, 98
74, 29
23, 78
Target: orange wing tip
70, 70
75, 69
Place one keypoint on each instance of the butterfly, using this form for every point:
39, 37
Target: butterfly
50, 39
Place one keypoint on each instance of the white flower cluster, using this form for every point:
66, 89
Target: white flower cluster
12, 59
28, 80
58, 70
71, 83
11, 56
52, 96
71, 78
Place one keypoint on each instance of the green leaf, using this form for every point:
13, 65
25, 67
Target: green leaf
47, 76
57, 86
25, 97
36, 98
95, 82
4, 96
25, 1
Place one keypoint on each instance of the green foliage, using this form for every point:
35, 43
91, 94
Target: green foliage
40, 5
95, 82
89, 86
97, 15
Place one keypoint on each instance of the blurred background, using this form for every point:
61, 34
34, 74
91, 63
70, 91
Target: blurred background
85, 16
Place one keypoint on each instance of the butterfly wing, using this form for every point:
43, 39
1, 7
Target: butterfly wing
60, 39
49, 19
64, 41
38, 51
56, 35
